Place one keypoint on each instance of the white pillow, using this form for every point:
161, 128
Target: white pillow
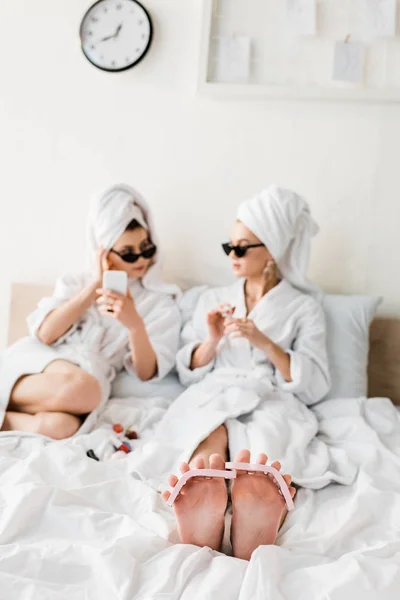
126, 385
189, 300
348, 319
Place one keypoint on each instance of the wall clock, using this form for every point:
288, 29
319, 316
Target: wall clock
116, 34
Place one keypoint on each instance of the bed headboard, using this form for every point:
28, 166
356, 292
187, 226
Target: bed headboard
384, 358
24, 299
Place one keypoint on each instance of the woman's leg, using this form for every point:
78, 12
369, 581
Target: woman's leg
53, 424
50, 403
62, 387
215, 443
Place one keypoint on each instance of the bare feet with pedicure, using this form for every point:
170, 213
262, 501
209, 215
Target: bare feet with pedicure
258, 507
201, 505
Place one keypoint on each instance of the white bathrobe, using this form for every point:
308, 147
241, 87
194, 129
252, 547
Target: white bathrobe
97, 343
242, 389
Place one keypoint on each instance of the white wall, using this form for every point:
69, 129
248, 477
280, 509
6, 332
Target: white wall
67, 130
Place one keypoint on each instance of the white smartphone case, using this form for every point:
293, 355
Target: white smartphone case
116, 281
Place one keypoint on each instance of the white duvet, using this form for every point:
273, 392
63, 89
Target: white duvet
72, 528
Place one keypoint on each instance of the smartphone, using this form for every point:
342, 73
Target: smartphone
116, 281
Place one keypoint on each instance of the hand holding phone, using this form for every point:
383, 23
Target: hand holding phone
116, 301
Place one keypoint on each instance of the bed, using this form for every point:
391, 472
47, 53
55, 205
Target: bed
71, 527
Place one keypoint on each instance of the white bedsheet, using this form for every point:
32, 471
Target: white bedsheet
73, 528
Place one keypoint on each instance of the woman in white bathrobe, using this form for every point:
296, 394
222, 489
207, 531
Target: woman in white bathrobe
55, 381
254, 358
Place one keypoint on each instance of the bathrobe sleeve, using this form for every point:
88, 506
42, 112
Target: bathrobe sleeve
66, 286
309, 369
193, 334
163, 323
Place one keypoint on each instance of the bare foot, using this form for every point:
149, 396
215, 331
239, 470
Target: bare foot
200, 506
258, 508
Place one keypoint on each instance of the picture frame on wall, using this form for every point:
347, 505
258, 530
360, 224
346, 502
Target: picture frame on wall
341, 50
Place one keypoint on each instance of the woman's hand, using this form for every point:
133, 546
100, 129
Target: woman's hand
121, 308
101, 266
245, 328
216, 321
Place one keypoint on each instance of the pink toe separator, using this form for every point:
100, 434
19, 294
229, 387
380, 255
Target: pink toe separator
198, 473
231, 474
265, 469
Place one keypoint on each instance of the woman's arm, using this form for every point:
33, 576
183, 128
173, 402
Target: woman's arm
303, 370
278, 357
60, 320
205, 352
123, 309
143, 356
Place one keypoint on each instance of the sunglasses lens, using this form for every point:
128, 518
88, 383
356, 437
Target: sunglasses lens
239, 251
129, 257
149, 253
227, 248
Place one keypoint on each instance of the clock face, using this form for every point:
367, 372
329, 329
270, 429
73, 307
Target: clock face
115, 34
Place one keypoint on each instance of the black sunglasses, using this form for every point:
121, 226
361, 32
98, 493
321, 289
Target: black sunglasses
239, 251
131, 257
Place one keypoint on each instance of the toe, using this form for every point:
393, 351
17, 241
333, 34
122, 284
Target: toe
262, 459
276, 465
217, 462
288, 479
198, 463
165, 495
243, 456
172, 480
184, 468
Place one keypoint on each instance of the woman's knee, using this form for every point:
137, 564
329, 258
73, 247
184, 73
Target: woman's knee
57, 426
77, 392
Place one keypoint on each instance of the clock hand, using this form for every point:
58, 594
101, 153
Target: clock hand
115, 35
109, 37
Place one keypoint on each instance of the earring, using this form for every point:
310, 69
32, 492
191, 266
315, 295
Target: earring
270, 267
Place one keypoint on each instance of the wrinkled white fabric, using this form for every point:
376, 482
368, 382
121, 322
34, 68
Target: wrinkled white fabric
73, 528
281, 219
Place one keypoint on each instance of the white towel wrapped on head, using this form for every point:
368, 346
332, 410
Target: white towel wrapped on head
109, 216
282, 220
